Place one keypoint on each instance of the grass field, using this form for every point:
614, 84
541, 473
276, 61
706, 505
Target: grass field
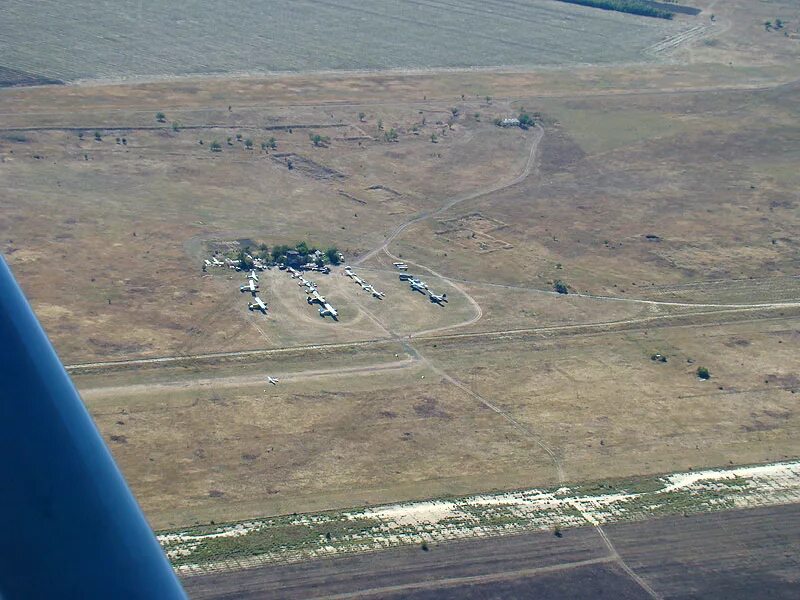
124, 39
664, 198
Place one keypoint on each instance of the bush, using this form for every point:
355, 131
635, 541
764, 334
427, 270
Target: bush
560, 287
391, 135
332, 254
161, 117
703, 373
216, 146
248, 143
319, 140
525, 120
98, 136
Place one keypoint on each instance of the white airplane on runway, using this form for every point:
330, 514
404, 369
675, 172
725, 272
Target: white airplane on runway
272, 380
253, 276
440, 300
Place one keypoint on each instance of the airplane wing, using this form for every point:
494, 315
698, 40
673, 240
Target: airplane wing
70, 526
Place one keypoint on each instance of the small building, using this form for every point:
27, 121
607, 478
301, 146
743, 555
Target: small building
293, 258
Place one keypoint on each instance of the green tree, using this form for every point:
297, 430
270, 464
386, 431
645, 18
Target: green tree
244, 261
238, 137
767, 25
332, 254
525, 120
319, 140
216, 146
273, 143
98, 137
362, 116
176, 126
433, 138
161, 117
248, 143
302, 248
560, 287
454, 110
279, 252
703, 373
391, 135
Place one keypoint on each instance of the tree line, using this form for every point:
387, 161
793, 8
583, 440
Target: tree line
634, 7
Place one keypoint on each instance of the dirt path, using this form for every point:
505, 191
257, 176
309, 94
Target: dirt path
242, 380
529, 164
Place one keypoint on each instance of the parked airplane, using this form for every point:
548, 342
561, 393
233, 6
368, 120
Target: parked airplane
377, 294
216, 262
207, 262
252, 276
438, 299
258, 304
401, 266
328, 310
419, 286
315, 297
272, 380
251, 287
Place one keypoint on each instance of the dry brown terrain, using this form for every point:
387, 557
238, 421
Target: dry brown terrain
664, 196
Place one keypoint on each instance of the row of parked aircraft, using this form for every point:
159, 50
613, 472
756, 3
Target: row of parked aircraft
252, 288
364, 285
420, 286
314, 297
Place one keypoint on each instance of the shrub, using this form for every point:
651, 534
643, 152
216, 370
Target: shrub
216, 146
319, 140
525, 120
332, 254
98, 136
161, 117
703, 373
560, 287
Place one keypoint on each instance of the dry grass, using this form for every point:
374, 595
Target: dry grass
708, 172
